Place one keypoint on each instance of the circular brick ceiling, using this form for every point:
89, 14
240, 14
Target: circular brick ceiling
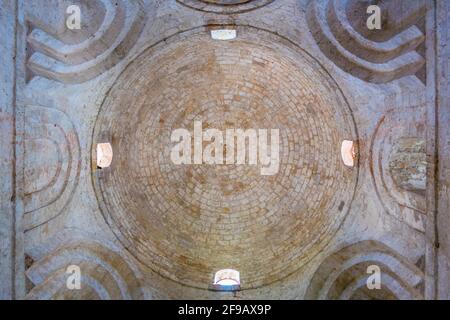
225, 6
187, 221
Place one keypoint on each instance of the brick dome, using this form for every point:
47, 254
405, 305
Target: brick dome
187, 221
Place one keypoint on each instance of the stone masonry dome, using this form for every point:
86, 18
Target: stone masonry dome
188, 221
225, 150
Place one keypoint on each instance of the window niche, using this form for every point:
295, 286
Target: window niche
226, 280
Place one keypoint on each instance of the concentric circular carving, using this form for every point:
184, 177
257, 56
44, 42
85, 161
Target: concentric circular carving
225, 6
391, 130
188, 221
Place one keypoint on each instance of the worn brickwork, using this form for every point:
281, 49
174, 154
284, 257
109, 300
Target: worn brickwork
145, 228
206, 217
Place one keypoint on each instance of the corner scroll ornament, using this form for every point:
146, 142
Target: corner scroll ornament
77, 51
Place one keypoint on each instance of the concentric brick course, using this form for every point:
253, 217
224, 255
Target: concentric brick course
225, 6
188, 221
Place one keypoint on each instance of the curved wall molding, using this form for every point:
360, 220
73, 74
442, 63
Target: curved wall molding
369, 60
105, 274
50, 176
64, 58
225, 6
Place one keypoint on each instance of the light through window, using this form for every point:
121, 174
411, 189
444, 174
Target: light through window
348, 153
223, 34
104, 155
227, 277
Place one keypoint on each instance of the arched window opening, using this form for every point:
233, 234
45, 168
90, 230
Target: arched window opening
348, 153
104, 155
223, 34
226, 280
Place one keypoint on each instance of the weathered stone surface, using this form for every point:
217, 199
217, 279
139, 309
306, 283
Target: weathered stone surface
7, 188
142, 227
443, 145
408, 164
